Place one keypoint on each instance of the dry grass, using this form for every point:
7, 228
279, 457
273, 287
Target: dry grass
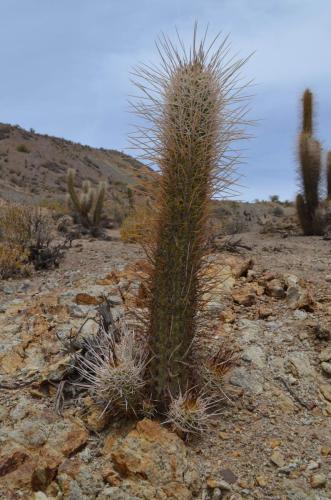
137, 225
15, 226
13, 262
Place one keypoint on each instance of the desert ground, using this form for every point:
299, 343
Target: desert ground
272, 438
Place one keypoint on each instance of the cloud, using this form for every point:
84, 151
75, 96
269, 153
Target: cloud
65, 69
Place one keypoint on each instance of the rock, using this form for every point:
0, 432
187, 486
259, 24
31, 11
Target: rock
255, 355
300, 298
239, 266
326, 367
300, 314
244, 297
219, 484
79, 311
249, 331
298, 364
291, 280
277, 458
317, 480
84, 299
275, 288
325, 354
55, 371
96, 419
228, 476
264, 312
249, 380
227, 316
321, 332
261, 481
159, 457
39, 495
217, 494
11, 362
326, 391
313, 466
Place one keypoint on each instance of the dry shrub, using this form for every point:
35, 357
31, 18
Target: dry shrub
27, 234
13, 262
15, 226
137, 225
56, 207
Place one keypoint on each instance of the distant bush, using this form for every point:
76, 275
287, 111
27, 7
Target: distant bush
13, 262
57, 207
21, 148
278, 212
26, 238
136, 226
15, 226
274, 198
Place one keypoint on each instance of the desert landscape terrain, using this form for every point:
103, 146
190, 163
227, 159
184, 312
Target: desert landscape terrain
271, 304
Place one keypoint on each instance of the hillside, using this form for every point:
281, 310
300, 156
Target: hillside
33, 166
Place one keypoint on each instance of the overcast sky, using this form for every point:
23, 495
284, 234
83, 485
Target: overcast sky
65, 69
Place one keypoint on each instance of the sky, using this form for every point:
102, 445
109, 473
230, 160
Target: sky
65, 70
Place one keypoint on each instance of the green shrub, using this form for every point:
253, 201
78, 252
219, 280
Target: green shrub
21, 148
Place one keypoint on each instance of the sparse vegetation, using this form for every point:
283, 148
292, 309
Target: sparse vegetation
137, 225
13, 262
22, 148
26, 238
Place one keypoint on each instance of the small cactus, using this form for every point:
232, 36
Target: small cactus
87, 206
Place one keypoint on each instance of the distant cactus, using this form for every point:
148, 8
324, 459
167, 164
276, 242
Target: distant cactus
307, 112
328, 174
310, 172
87, 206
97, 213
193, 125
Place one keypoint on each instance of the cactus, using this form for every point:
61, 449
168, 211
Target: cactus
193, 122
88, 206
307, 112
328, 174
310, 172
99, 204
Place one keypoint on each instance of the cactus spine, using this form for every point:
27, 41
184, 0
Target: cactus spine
310, 152
192, 126
87, 206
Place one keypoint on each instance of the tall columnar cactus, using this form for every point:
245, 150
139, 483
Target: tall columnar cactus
328, 174
307, 112
88, 205
310, 171
195, 113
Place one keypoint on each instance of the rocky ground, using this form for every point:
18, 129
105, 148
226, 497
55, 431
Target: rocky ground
272, 440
